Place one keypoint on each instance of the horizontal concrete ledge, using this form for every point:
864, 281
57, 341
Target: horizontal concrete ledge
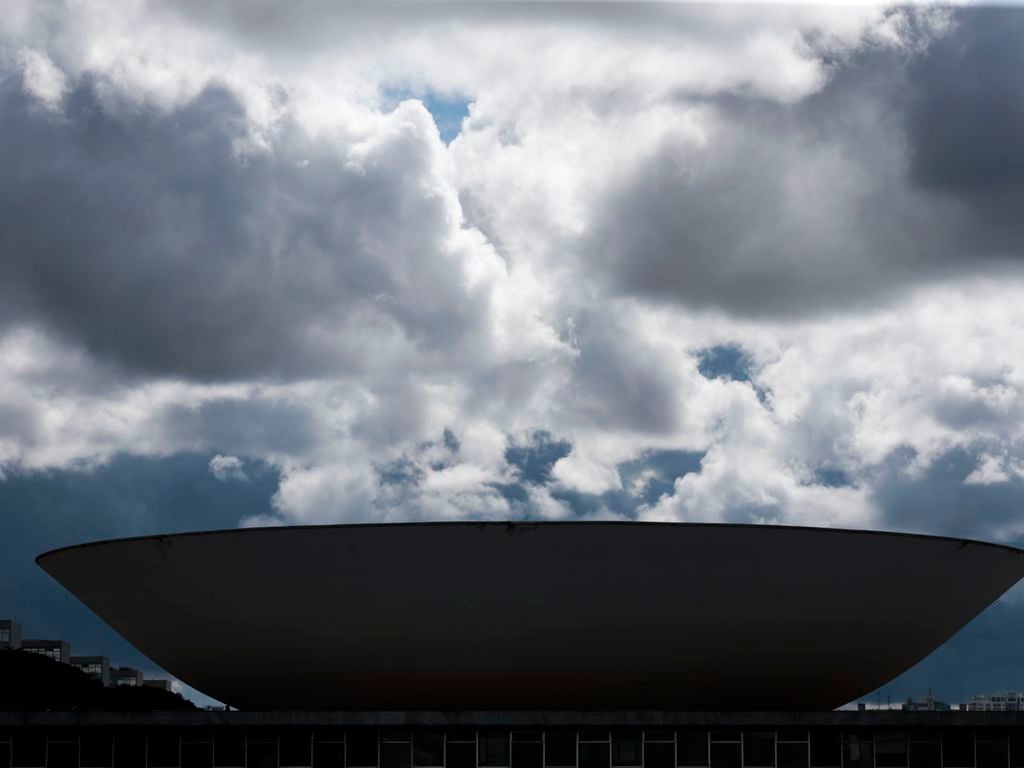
525, 719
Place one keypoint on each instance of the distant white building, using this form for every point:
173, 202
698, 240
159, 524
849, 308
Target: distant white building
1011, 701
125, 676
58, 650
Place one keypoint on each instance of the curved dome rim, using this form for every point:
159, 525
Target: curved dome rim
265, 530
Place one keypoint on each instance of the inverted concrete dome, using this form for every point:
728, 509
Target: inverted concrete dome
486, 616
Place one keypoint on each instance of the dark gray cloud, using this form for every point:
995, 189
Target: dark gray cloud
145, 236
843, 198
965, 121
616, 367
261, 427
938, 501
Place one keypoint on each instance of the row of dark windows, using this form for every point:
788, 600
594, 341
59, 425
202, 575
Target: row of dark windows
292, 747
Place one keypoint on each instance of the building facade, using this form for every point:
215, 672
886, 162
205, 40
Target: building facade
512, 740
10, 634
125, 676
97, 667
996, 702
58, 650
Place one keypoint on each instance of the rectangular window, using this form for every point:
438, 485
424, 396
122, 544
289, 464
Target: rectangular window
992, 754
659, 754
162, 749
594, 754
925, 754
793, 754
428, 749
626, 748
62, 755
826, 749
493, 748
527, 754
261, 754
1017, 748
958, 748
726, 754
197, 755
692, 748
858, 751
759, 749
296, 747
97, 748
228, 748
395, 754
129, 754
891, 749
5, 635
460, 754
560, 749
361, 748
328, 754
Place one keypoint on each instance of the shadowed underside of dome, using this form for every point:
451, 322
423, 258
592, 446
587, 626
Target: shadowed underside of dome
502, 616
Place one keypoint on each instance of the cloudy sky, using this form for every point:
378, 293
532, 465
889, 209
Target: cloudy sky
268, 263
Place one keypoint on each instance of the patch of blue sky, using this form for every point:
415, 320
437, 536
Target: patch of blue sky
727, 361
448, 110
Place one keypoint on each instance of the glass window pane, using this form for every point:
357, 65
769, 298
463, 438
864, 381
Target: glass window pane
96, 748
129, 754
428, 748
858, 751
626, 748
659, 754
958, 748
296, 747
1017, 748
527, 754
560, 748
759, 749
228, 749
826, 748
595, 755
197, 755
793, 754
361, 748
692, 748
726, 755
493, 748
28, 749
992, 754
261, 754
460, 755
62, 755
162, 749
328, 754
395, 754
925, 754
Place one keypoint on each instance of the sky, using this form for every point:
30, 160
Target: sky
268, 264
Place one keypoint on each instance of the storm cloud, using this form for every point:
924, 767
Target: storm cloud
438, 261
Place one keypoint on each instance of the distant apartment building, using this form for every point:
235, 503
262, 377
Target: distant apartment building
10, 634
163, 685
1011, 701
58, 650
925, 704
125, 676
97, 667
